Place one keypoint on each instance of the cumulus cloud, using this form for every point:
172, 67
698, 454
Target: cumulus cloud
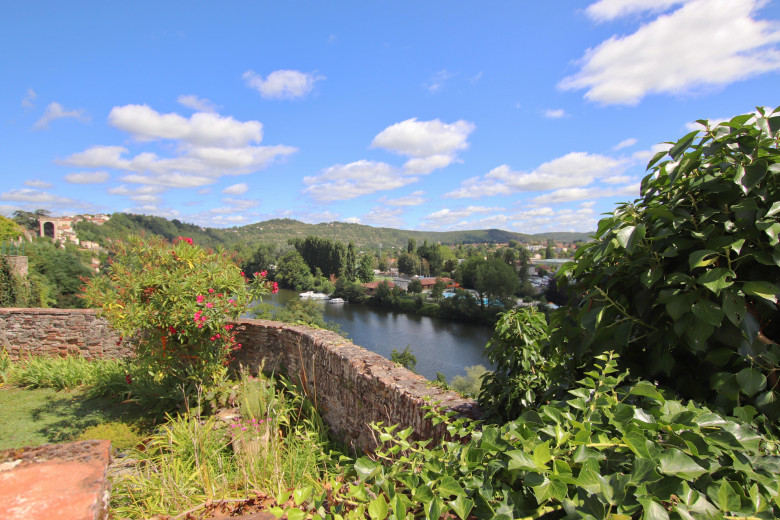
29, 99
347, 181
57, 111
200, 129
430, 144
87, 177
571, 170
37, 183
36, 196
194, 102
625, 143
574, 194
554, 113
383, 217
646, 155
703, 43
282, 84
146, 195
236, 189
208, 147
447, 217
413, 199
605, 10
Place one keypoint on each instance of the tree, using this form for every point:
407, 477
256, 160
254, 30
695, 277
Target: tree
351, 263
496, 279
383, 265
262, 259
411, 246
293, 273
549, 252
415, 286
9, 230
437, 291
408, 263
366, 269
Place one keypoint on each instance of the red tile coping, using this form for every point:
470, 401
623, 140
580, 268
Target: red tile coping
63, 481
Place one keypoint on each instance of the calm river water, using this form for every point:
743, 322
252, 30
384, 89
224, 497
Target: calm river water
439, 345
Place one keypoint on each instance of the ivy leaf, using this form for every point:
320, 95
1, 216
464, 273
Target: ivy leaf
378, 508
774, 210
716, 279
520, 460
366, 468
652, 510
728, 500
434, 509
675, 462
550, 490
762, 289
542, 455
449, 486
462, 506
751, 381
754, 174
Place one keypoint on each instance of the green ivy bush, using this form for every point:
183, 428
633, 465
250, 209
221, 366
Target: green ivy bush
682, 282
175, 304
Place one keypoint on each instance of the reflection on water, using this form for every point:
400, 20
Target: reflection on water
439, 345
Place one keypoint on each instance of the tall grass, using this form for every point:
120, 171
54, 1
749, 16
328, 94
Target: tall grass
279, 442
63, 373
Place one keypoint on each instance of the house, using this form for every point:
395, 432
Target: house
428, 283
371, 287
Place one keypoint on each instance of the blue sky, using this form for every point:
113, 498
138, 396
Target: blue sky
524, 116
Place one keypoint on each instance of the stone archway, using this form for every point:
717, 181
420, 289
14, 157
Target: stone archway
48, 229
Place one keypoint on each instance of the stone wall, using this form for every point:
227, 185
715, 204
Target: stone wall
351, 386
58, 332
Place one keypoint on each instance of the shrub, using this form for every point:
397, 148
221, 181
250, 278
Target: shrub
175, 303
683, 281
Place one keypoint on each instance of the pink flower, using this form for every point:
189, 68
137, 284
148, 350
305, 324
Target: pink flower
275, 288
200, 298
242, 273
211, 291
231, 300
263, 273
200, 325
216, 336
219, 295
209, 305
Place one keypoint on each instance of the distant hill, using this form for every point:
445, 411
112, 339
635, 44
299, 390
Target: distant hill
278, 231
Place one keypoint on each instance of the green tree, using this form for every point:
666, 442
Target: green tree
62, 269
351, 263
264, 256
411, 246
366, 269
29, 220
415, 286
383, 265
549, 251
496, 279
9, 230
293, 273
408, 263
437, 291
470, 384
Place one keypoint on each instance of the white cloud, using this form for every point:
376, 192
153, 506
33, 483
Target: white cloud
351, 220
413, 199
605, 10
87, 177
574, 194
646, 155
704, 43
282, 84
555, 114
204, 191
625, 143
29, 99
430, 144
170, 180
241, 204
436, 83
37, 183
571, 170
194, 102
236, 189
201, 129
57, 111
36, 196
147, 195
447, 217
383, 217
347, 181
616, 179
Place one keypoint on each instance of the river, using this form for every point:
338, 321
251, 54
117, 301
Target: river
439, 345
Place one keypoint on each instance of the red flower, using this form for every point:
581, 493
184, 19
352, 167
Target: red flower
128, 379
275, 288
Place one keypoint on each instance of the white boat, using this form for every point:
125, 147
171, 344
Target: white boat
307, 294
336, 300
319, 296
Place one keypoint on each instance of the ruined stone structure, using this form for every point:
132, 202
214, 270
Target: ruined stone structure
61, 228
351, 386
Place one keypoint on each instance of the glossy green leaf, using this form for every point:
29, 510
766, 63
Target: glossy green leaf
652, 510
708, 312
378, 508
751, 381
367, 468
647, 389
702, 258
449, 486
675, 462
462, 506
717, 279
762, 289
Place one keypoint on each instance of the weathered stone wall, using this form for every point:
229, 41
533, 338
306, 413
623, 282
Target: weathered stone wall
58, 332
351, 386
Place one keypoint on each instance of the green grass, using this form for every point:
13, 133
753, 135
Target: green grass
31, 417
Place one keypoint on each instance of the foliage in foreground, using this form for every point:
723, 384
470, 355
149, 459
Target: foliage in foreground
610, 450
686, 276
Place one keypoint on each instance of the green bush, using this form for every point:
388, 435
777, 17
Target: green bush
683, 281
